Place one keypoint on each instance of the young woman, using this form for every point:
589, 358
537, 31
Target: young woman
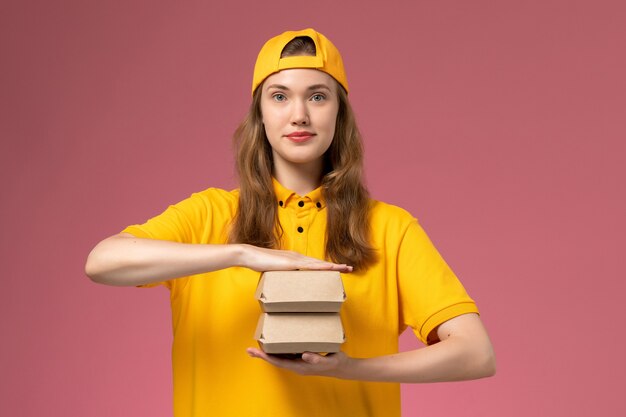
301, 205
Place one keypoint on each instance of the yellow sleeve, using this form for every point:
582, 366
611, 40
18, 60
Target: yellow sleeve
201, 218
180, 222
430, 293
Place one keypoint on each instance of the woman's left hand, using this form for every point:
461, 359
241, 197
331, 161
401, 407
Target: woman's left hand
462, 350
333, 364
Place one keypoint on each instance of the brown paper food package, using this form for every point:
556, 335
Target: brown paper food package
300, 291
280, 333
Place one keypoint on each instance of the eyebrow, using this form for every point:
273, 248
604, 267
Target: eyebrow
311, 87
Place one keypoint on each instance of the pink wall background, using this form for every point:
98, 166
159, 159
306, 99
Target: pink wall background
500, 124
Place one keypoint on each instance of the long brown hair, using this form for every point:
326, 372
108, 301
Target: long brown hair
347, 200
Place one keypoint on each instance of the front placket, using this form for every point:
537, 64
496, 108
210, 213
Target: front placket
303, 209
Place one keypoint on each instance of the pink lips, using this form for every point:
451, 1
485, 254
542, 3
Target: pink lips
299, 137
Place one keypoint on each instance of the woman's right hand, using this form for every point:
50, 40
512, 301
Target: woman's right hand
127, 260
262, 259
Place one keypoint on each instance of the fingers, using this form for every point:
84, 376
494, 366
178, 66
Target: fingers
263, 259
291, 364
314, 263
327, 267
309, 364
342, 268
311, 358
256, 353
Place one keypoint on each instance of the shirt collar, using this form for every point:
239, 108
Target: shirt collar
285, 197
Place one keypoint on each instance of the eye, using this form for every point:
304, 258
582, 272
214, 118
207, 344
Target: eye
279, 97
318, 97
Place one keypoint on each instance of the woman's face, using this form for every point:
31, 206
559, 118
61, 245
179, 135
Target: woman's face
299, 108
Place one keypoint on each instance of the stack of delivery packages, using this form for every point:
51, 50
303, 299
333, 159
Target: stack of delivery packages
300, 312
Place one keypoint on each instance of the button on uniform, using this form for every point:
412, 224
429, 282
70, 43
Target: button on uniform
302, 218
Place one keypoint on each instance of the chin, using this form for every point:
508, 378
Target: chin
301, 159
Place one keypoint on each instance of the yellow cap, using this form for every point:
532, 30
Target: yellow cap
327, 58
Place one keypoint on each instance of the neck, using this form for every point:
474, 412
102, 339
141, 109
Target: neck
301, 178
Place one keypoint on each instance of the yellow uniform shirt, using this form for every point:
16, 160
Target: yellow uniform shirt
214, 315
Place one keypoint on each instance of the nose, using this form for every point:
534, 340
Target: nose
299, 113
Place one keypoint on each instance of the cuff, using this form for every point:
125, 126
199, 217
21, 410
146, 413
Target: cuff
444, 315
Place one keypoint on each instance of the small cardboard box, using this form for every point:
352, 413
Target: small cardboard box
300, 291
299, 332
